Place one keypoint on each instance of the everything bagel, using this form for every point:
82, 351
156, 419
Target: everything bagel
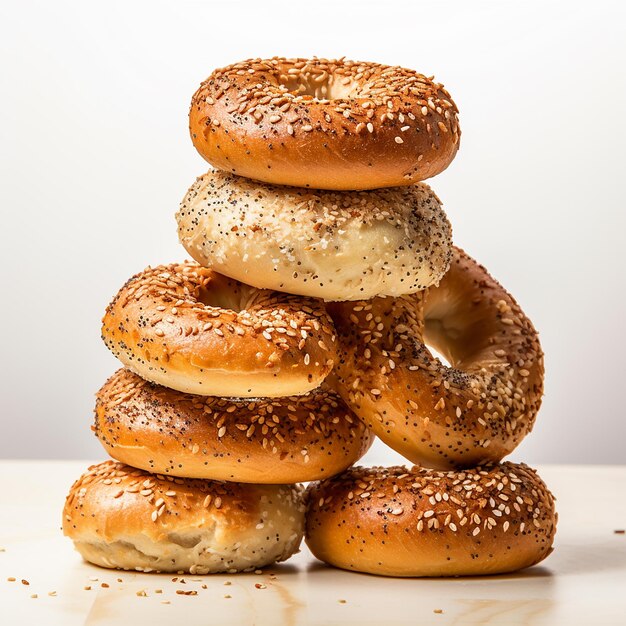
417, 522
325, 124
474, 411
188, 328
122, 517
258, 440
334, 245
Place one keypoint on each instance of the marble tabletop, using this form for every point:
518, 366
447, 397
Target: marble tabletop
43, 581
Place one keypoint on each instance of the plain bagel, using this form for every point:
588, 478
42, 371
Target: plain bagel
125, 518
257, 440
191, 329
334, 245
417, 522
474, 411
325, 124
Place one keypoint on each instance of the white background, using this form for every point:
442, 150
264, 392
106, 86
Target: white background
96, 156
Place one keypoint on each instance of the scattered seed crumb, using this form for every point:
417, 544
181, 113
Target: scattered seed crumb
158, 591
438, 611
175, 579
165, 602
619, 531
93, 579
258, 571
180, 592
342, 601
34, 595
3, 549
105, 585
227, 582
11, 579
87, 588
228, 596
25, 582
142, 593
52, 594
273, 577
119, 580
260, 586
204, 587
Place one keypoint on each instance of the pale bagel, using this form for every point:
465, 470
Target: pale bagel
334, 245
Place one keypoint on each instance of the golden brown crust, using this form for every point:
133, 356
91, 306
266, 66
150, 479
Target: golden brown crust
188, 328
325, 124
123, 517
270, 441
335, 245
416, 522
477, 410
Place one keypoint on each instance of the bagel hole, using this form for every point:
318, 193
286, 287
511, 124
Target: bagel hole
306, 84
219, 299
227, 294
463, 340
438, 354
440, 344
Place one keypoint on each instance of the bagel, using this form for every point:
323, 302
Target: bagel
325, 124
285, 440
474, 411
417, 522
125, 518
188, 328
335, 245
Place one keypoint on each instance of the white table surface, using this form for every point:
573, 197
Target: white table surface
582, 582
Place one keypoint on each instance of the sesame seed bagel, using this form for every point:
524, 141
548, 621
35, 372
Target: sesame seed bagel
335, 245
271, 441
125, 518
188, 328
325, 124
418, 522
474, 411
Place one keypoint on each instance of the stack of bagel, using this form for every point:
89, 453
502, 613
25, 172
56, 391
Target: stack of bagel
323, 269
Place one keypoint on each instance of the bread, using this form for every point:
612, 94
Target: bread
258, 440
189, 328
125, 518
418, 522
324, 124
334, 245
475, 410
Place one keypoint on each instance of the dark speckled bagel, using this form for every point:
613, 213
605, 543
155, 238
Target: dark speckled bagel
271, 441
417, 522
477, 409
